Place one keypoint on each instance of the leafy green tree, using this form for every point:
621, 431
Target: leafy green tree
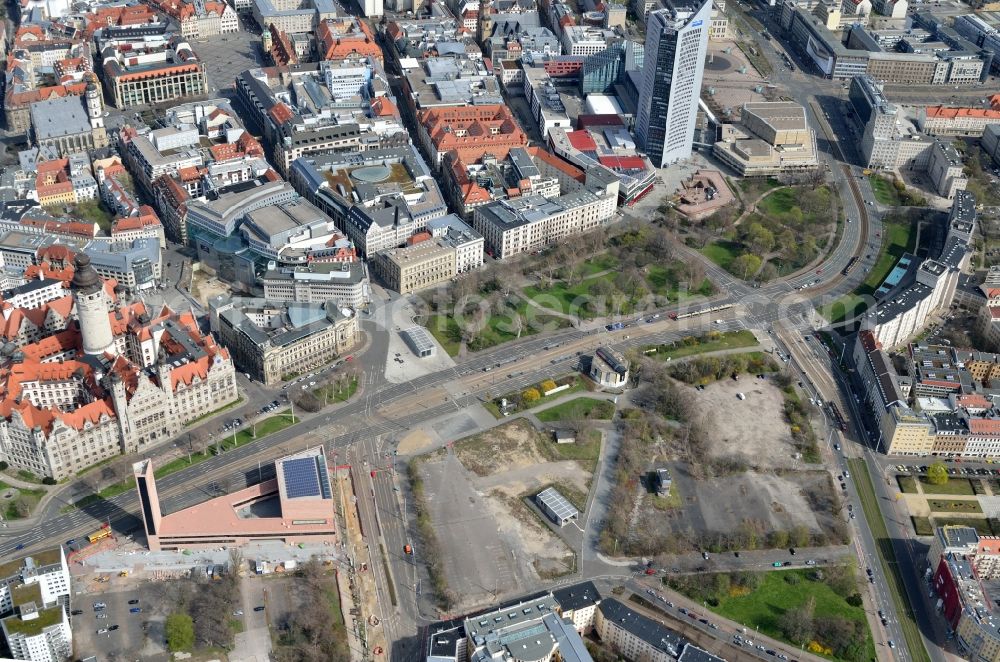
745, 265
937, 474
180, 632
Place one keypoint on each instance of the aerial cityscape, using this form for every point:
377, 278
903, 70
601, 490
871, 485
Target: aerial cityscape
500, 330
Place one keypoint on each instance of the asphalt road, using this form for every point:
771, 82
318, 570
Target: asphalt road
387, 409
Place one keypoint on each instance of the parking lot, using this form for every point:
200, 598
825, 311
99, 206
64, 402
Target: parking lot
125, 635
225, 56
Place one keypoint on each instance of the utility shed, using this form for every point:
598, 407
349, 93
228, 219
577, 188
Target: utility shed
556, 507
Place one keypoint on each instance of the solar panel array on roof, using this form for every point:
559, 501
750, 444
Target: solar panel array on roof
304, 478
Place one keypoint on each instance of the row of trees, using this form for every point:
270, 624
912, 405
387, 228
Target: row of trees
705, 369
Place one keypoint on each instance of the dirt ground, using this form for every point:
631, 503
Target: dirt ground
502, 448
753, 429
475, 493
204, 287
779, 502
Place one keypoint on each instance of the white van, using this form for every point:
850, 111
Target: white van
741, 396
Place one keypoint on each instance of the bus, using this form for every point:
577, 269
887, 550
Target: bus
850, 265
100, 534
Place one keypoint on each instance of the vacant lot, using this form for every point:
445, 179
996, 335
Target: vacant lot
476, 493
505, 532
753, 429
751, 502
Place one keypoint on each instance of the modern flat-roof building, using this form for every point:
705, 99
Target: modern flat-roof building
295, 506
772, 138
556, 507
345, 283
555, 621
34, 606
271, 339
379, 198
332, 106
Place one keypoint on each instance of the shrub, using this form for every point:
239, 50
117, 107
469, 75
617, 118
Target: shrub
3, 466
547, 385
854, 599
530, 395
48, 480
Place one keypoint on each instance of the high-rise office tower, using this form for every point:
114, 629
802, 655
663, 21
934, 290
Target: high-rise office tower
676, 41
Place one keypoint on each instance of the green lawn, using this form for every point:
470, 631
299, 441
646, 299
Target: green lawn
94, 212
30, 497
778, 202
498, 330
270, 425
722, 252
954, 506
907, 484
959, 486
567, 299
885, 192
897, 239
585, 451
763, 607
330, 394
515, 397
578, 408
727, 340
663, 281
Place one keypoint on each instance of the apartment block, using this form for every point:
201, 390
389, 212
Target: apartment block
944, 121
529, 223
34, 606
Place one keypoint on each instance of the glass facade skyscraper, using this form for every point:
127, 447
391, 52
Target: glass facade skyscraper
674, 65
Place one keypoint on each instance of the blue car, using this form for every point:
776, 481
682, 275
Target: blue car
135, 610
20, 546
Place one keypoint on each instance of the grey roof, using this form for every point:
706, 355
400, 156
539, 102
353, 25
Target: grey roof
650, 631
958, 536
298, 320
418, 338
346, 273
557, 504
58, 117
692, 653
577, 596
